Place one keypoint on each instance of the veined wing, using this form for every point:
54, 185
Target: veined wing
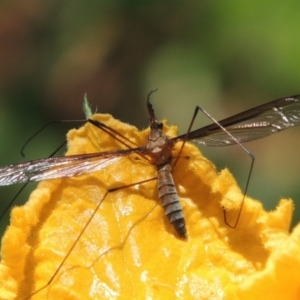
58, 167
251, 124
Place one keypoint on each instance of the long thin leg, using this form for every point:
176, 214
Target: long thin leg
25, 184
116, 135
46, 125
112, 132
81, 233
237, 142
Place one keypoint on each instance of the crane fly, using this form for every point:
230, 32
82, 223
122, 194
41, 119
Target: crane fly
249, 125
246, 126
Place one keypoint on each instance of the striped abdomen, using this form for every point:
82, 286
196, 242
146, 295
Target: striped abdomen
170, 200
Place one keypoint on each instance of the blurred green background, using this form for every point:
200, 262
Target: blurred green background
225, 56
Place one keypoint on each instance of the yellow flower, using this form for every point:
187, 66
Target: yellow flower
130, 250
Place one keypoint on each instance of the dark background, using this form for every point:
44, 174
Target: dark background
225, 56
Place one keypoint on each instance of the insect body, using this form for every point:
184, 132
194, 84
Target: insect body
160, 150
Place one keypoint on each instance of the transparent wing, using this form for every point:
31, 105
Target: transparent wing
58, 167
252, 124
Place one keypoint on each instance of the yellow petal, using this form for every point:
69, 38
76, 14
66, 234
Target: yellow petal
130, 250
280, 277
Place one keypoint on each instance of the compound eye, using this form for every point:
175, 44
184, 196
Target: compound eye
160, 125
